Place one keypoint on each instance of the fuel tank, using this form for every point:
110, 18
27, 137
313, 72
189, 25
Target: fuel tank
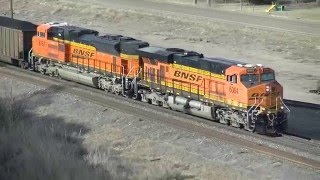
79, 77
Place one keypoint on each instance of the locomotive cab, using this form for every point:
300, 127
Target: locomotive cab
43, 44
266, 111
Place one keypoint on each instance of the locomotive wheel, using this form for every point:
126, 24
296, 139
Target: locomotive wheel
283, 126
22, 65
261, 125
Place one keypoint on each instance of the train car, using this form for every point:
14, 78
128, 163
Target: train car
83, 56
15, 40
231, 92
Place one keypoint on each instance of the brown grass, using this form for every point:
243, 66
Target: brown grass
36, 146
33, 147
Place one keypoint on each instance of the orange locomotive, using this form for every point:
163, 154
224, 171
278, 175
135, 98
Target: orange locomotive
231, 92
71, 52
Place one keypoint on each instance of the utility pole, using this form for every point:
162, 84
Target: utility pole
11, 8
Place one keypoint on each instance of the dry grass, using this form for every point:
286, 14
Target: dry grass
45, 147
33, 147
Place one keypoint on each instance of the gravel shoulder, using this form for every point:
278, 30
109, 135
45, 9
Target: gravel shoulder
144, 149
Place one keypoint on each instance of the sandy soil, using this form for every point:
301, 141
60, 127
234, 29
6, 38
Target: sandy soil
306, 11
143, 149
294, 57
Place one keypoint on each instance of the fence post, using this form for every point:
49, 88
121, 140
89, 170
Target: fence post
209, 3
11, 8
195, 1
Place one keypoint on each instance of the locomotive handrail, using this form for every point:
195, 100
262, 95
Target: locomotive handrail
248, 124
29, 58
257, 107
140, 70
129, 72
285, 107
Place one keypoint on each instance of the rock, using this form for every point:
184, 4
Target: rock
275, 164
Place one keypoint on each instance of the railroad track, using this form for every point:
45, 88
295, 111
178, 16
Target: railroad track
171, 118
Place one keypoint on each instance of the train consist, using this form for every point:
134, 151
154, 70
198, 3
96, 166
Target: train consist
231, 92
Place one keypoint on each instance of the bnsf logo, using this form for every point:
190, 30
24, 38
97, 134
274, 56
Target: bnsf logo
188, 76
83, 53
265, 94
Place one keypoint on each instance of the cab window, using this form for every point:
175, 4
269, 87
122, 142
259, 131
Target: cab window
232, 78
41, 34
267, 77
249, 78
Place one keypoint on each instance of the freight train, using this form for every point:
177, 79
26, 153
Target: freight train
231, 92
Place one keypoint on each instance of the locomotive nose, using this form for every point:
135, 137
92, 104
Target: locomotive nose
273, 92
266, 94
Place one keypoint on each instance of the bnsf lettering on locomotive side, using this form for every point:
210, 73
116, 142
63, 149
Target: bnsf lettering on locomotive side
189, 76
83, 53
265, 94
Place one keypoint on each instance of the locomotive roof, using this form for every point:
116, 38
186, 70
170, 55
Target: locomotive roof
111, 43
223, 61
17, 24
217, 65
159, 53
168, 55
74, 29
188, 58
114, 44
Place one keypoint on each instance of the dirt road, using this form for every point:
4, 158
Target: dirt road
272, 23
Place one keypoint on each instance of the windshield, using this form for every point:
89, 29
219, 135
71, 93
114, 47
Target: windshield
249, 78
267, 77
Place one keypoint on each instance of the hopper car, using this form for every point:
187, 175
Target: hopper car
231, 92
15, 40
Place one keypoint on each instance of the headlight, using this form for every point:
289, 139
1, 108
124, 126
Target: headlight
267, 88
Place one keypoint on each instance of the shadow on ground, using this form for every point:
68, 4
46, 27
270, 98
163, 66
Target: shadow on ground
304, 122
41, 147
35, 146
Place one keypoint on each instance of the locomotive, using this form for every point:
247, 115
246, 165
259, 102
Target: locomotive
231, 92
